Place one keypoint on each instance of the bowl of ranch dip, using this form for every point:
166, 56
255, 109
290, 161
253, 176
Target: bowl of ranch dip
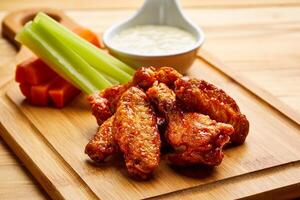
158, 35
153, 40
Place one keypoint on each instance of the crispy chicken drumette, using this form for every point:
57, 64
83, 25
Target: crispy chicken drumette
201, 96
103, 144
136, 132
195, 137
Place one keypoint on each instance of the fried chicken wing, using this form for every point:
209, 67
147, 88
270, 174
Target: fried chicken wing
146, 76
103, 144
167, 75
198, 139
195, 137
104, 103
206, 98
100, 107
113, 94
136, 132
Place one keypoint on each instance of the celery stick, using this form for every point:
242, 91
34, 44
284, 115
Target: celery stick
110, 79
77, 62
62, 59
94, 56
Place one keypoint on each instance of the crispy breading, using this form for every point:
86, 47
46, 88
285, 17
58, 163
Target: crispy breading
136, 133
103, 144
195, 137
201, 96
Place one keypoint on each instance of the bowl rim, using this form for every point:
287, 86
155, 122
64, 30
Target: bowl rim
199, 42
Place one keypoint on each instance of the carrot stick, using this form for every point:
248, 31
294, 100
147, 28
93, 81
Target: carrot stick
62, 92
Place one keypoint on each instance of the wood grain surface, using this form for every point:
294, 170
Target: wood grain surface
260, 40
272, 141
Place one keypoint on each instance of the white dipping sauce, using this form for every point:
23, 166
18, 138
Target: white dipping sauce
153, 40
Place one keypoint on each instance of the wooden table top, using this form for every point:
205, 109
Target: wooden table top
260, 39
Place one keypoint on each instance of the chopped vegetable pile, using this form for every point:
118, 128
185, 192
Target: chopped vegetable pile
73, 56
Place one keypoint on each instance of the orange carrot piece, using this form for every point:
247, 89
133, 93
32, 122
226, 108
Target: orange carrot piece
62, 92
38, 72
25, 89
33, 71
39, 93
89, 36
101, 42
20, 74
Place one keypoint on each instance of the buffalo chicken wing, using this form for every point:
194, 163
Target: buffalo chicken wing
104, 103
203, 97
136, 133
193, 117
103, 144
195, 137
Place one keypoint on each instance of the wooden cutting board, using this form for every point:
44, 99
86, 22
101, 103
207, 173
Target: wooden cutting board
51, 144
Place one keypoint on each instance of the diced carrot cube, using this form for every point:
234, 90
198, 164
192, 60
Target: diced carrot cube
25, 89
33, 71
38, 72
20, 74
39, 93
62, 92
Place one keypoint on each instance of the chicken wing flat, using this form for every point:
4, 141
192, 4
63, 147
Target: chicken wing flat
103, 144
104, 103
195, 137
206, 98
136, 132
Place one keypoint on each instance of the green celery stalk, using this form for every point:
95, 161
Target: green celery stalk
110, 79
62, 59
94, 56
